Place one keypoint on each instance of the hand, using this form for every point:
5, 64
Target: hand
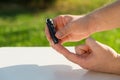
93, 56
72, 28
98, 57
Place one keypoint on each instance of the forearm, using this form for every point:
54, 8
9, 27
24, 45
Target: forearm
106, 18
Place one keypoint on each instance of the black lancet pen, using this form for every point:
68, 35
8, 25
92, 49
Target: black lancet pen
52, 30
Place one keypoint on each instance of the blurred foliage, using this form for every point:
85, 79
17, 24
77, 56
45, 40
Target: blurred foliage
30, 3
20, 26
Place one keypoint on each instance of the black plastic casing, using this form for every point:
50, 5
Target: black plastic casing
52, 30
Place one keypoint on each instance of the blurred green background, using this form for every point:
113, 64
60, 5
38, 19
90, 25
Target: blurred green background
22, 22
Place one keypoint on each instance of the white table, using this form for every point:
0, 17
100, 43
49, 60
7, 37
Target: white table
43, 63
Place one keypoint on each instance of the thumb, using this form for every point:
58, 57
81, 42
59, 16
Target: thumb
93, 44
63, 32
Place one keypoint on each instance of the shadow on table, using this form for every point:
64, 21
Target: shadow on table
51, 72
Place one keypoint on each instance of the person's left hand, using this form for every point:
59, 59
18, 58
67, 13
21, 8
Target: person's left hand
71, 28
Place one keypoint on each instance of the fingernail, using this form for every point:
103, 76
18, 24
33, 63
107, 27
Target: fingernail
58, 35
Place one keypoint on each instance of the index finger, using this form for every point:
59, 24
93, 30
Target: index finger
66, 53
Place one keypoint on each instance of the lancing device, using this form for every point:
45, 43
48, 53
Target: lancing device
52, 30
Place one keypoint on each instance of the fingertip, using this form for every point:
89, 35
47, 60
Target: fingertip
93, 44
81, 49
59, 35
62, 33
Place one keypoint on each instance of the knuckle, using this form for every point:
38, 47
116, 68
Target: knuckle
76, 48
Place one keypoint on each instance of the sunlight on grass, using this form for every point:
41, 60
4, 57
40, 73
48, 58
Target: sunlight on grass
27, 29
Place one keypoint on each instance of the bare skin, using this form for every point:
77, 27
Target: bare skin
92, 55
74, 27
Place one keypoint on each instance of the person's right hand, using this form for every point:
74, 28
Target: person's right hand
72, 28
96, 56
93, 55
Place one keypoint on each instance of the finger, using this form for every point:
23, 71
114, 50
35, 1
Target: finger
72, 38
55, 22
93, 44
64, 21
58, 22
66, 39
68, 18
69, 55
47, 34
63, 32
81, 49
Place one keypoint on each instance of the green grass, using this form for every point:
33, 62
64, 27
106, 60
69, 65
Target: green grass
24, 28
111, 38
